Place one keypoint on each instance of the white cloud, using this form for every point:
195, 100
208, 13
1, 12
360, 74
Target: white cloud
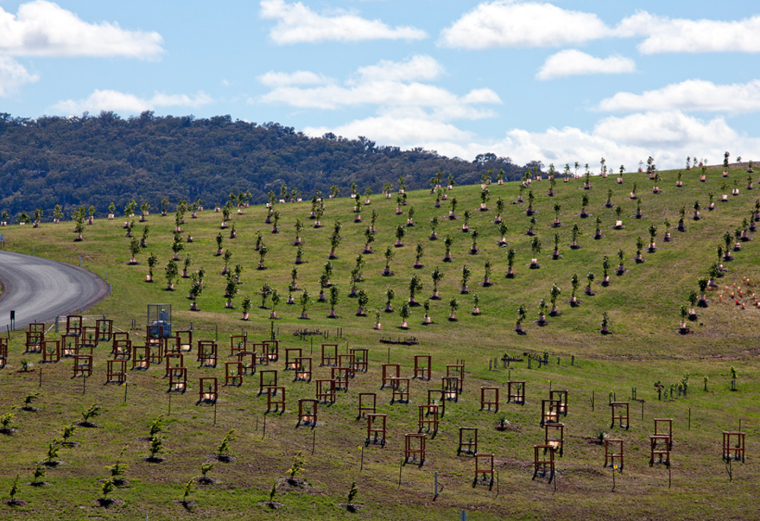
404, 132
120, 102
297, 23
13, 75
42, 28
572, 62
690, 95
391, 92
510, 24
661, 129
281, 79
691, 36
417, 68
669, 137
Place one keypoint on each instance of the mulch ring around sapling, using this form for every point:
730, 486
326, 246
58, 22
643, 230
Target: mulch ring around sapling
16, 503
108, 502
350, 507
221, 458
271, 504
118, 482
293, 483
187, 504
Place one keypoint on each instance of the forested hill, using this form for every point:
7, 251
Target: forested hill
98, 160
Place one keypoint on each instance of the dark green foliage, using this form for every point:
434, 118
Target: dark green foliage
95, 160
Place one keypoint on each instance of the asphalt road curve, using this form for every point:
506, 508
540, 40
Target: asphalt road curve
40, 289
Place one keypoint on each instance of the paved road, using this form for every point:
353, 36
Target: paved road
40, 289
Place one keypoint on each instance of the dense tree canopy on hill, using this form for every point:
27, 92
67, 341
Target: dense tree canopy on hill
98, 160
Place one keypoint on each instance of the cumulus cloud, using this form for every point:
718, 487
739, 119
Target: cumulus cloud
531, 24
673, 129
691, 36
405, 132
42, 28
417, 68
392, 91
690, 95
121, 102
667, 136
280, 79
572, 62
13, 75
297, 23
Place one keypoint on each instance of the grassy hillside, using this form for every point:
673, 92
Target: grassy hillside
645, 346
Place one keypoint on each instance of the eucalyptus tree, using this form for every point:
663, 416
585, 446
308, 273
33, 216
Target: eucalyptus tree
390, 294
420, 251
598, 230
621, 257
405, 312
520, 319
453, 306
652, 234
574, 237
447, 242
542, 307
177, 246
557, 208
230, 291
574, 283
144, 238
415, 285
535, 246
555, 253
474, 247
488, 268
437, 277
196, 288
389, 253
510, 263
499, 210
433, 226
410, 217
134, 249
172, 273
554, 294
466, 273
334, 297
531, 199
305, 301
363, 300
152, 262
369, 238
299, 229
400, 233
503, 229
452, 210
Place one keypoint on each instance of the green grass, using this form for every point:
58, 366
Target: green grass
645, 347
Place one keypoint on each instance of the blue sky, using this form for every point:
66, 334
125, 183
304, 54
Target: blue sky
557, 82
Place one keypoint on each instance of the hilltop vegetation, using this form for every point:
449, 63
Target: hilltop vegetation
98, 160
